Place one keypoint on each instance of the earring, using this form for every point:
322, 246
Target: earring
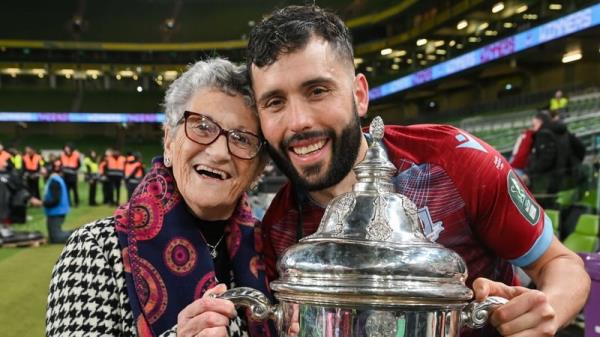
167, 161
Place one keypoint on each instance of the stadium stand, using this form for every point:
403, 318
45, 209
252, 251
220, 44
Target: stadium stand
585, 237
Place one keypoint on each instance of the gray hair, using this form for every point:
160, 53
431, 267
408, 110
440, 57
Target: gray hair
213, 73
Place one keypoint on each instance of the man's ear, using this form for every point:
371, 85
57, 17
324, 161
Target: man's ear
361, 94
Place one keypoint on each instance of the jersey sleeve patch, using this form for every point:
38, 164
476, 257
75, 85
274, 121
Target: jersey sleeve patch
528, 208
539, 247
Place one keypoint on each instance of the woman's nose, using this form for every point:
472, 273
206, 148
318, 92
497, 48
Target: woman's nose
218, 149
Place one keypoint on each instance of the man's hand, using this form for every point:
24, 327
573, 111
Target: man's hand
528, 312
206, 316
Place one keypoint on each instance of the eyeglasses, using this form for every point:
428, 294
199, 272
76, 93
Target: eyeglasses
203, 130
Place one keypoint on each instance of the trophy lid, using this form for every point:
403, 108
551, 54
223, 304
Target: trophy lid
370, 249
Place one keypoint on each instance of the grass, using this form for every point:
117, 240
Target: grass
25, 272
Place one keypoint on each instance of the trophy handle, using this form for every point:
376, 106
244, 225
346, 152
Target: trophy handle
475, 315
260, 307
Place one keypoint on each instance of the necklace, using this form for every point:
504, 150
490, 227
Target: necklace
212, 249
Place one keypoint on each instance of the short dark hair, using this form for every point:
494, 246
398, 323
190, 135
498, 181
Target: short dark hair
543, 116
291, 28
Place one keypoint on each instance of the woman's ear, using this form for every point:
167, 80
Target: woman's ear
167, 143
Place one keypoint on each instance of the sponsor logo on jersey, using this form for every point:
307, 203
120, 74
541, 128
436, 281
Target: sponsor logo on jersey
498, 163
519, 196
467, 141
431, 229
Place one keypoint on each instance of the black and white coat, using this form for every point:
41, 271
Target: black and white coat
88, 294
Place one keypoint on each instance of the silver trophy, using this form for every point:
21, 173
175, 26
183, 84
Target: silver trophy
369, 270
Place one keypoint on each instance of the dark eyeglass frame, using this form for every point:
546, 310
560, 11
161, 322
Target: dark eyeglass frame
222, 131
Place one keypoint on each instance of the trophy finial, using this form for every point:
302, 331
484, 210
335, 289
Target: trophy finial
376, 129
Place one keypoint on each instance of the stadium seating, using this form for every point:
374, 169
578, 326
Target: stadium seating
502, 131
554, 216
585, 237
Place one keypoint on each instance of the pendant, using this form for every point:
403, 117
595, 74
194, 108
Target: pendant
213, 253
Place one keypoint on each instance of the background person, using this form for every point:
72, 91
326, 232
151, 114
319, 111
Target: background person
56, 204
150, 275
33, 164
522, 150
70, 161
559, 105
107, 195
14, 198
553, 164
91, 176
310, 101
115, 166
5, 156
134, 172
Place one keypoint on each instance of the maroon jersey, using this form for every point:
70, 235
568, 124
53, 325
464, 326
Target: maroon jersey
468, 198
522, 149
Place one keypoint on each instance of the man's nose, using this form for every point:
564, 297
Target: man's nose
300, 118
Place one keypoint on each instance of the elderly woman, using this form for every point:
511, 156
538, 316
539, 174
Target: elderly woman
149, 269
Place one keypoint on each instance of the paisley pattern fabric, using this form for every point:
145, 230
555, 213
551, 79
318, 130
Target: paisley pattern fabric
167, 261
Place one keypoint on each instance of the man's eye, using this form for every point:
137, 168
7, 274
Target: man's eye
318, 91
273, 103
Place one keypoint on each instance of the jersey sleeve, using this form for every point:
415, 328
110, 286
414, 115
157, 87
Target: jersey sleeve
273, 216
502, 212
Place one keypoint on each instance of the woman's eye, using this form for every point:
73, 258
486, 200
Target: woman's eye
204, 127
241, 139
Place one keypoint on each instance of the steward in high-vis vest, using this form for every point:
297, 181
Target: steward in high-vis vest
32, 169
17, 160
558, 105
91, 175
134, 172
5, 157
115, 167
106, 189
70, 160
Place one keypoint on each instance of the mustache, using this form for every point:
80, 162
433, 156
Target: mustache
306, 135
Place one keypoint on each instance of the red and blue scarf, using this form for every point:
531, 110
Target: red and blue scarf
167, 262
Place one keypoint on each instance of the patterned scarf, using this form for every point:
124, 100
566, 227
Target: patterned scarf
167, 261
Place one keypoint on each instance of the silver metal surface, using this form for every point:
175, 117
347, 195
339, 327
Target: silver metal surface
370, 248
369, 271
476, 314
305, 320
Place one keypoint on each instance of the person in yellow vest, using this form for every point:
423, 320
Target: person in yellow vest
70, 160
115, 172
17, 160
91, 176
134, 172
32, 168
5, 157
558, 104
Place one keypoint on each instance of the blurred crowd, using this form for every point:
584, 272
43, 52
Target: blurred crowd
23, 173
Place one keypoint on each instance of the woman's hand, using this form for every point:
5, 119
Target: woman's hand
206, 316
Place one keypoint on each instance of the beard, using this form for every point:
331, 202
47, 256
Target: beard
320, 176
